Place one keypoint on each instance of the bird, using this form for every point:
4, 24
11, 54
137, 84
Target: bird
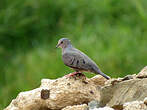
77, 60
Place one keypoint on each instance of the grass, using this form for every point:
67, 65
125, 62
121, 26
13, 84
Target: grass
113, 33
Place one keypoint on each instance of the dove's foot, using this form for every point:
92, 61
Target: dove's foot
74, 74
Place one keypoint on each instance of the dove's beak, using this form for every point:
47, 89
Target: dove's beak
57, 45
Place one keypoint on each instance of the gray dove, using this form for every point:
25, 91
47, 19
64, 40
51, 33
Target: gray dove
76, 59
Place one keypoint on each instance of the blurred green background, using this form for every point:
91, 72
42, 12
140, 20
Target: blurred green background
112, 32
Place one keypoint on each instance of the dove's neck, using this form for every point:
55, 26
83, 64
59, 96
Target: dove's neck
68, 48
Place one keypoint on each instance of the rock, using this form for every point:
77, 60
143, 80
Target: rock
113, 81
117, 107
145, 100
123, 91
142, 73
93, 104
85, 107
57, 94
74, 93
128, 77
76, 107
99, 80
135, 105
104, 108
12, 106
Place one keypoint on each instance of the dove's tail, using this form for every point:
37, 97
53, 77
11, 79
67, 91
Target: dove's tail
104, 75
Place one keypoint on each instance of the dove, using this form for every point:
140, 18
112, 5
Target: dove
76, 59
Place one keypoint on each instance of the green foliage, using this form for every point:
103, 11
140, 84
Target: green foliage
113, 33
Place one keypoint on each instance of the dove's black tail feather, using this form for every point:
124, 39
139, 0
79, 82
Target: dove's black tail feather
104, 75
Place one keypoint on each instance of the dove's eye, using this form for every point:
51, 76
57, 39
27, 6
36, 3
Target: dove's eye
61, 42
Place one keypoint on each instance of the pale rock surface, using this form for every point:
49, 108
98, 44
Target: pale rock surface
143, 73
117, 92
104, 108
135, 105
85, 107
145, 100
60, 93
99, 80
76, 107
112, 81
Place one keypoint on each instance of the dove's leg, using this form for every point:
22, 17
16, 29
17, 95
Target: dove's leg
74, 73
71, 74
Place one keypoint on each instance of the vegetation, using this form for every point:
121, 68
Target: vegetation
113, 33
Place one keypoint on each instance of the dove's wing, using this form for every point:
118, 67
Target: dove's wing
78, 61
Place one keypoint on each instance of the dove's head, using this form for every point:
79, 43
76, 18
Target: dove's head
63, 43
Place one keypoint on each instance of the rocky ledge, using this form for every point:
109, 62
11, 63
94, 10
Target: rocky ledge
81, 93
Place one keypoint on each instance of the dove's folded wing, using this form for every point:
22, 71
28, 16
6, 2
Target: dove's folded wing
77, 61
